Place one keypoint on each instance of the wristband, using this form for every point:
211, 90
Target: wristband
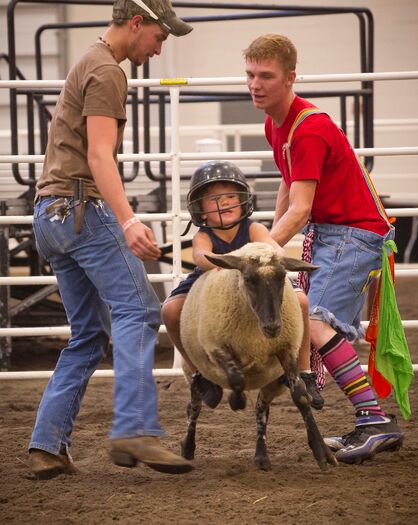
129, 223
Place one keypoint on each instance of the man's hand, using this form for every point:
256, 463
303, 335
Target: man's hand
300, 199
141, 242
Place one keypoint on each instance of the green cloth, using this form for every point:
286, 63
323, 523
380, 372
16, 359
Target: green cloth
393, 360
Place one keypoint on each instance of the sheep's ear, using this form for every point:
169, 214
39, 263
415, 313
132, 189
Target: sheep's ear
230, 262
295, 265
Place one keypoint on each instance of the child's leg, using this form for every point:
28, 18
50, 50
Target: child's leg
171, 312
304, 361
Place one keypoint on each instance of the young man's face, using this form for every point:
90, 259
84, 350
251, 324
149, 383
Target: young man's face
147, 41
268, 83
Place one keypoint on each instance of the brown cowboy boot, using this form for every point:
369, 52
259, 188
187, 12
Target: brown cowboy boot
44, 465
127, 452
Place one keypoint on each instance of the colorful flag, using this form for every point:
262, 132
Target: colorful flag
393, 360
381, 386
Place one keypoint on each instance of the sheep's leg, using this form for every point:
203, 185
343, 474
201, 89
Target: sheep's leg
321, 452
188, 445
262, 411
236, 380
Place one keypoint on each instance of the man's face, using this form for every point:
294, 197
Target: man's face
146, 42
268, 83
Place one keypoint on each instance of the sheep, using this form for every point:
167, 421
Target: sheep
242, 327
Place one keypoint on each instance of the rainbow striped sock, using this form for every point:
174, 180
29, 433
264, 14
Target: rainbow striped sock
341, 361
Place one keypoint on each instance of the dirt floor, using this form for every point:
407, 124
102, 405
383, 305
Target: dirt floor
225, 487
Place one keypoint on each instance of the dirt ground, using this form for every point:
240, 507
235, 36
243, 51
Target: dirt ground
225, 487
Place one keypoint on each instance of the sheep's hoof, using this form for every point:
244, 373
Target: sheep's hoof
235, 379
237, 401
262, 462
187, 450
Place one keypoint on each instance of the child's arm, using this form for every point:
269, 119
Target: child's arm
202, 245
259, 233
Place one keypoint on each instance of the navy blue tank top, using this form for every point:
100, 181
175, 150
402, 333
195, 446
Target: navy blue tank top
219, 246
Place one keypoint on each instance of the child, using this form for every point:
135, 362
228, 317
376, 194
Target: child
220, 202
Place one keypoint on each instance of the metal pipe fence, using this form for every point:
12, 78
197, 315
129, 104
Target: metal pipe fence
176, 216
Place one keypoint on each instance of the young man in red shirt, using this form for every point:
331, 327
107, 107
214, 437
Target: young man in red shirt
325, 191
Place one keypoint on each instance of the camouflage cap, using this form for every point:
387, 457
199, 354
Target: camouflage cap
160, 11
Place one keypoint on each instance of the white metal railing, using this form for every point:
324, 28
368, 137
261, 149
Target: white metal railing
237, 132
222, 81
158, 217
229, 130
176, 157
153, 277
215, 155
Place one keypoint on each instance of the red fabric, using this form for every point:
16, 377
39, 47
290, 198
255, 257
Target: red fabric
303, 277
320, 151
303, 283
381, 386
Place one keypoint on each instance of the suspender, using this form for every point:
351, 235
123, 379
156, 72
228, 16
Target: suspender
286, 154
373, 191
298, 120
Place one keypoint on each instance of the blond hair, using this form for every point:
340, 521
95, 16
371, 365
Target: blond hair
272, 46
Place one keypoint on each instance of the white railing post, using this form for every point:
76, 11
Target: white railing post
176, 196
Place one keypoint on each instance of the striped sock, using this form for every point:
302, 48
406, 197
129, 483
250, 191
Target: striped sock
342, 363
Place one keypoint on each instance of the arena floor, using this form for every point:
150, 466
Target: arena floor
225, 487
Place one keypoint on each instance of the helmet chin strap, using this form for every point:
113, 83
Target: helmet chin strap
186, 231
222, 226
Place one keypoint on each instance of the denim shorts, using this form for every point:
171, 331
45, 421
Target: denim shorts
349, 260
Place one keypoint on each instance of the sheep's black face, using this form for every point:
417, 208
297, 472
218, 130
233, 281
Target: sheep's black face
264, 289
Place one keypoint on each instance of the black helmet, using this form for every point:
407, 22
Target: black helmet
218, 171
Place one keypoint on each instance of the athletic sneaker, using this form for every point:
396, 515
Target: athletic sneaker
309, 378
366, 440
211, 393
338, 442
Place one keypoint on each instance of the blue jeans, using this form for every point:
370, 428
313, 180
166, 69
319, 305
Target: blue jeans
105, 291
349, 260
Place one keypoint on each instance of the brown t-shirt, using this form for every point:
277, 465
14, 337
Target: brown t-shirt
95, 86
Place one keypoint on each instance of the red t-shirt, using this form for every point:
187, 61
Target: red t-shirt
320, 151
